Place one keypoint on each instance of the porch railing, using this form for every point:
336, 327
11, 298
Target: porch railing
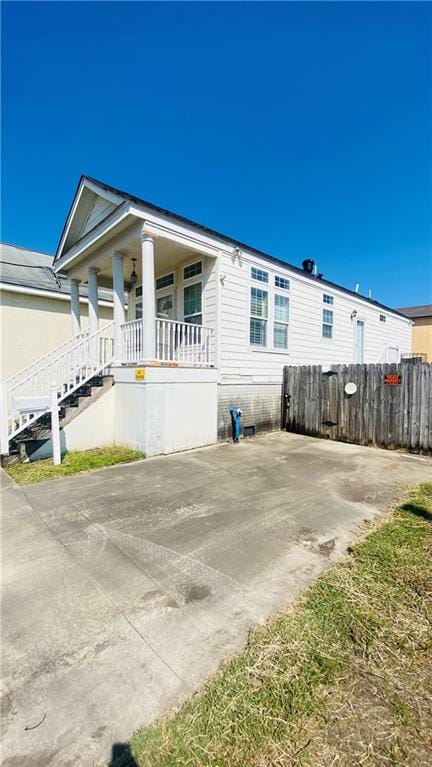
24, 397
176, 341
132, 341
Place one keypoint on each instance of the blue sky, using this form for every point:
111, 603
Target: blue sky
303, 129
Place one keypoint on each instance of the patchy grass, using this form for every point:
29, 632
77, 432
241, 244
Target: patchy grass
72, 463
343, 678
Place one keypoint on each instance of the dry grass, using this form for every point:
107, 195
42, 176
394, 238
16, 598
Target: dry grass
343, 678
72, 463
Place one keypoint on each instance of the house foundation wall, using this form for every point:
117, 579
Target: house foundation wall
161, 410
260, 405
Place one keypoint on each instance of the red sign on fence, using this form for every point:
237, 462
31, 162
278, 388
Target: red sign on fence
392, 379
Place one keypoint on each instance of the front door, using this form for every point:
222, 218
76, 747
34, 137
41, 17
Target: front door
359, 342
165, 306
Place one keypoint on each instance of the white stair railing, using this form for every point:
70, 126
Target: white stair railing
70, 366
51, 355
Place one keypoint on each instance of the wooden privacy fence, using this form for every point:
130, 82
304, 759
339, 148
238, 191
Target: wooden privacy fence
390, 405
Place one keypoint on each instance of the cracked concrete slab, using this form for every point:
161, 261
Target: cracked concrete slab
124, 588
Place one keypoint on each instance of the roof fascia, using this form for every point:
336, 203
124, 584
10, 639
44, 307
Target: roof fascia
92, 186
23, 289
110, 222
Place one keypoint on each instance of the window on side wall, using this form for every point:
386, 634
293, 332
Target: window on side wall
192, 303
327, 323
327, 299
258, 317
259, 275
282, 283
281, 319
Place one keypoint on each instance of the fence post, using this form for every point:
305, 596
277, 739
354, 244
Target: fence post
4, 435
55, 425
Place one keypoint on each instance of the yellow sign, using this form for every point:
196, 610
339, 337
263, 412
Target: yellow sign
139, 374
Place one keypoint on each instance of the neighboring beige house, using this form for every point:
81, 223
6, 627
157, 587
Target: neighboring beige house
422, 329
35, 313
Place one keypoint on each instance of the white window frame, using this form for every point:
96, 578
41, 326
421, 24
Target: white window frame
263, 271
263, 287
166, 287
271, 290
281, 277
359, 318
197, 278
280, 322
328, 303
328, 324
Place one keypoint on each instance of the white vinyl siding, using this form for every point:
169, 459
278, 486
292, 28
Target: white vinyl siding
246, 362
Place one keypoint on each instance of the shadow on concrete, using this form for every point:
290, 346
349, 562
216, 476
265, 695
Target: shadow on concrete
121, 756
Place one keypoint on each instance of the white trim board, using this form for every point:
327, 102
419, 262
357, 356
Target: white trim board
47, 294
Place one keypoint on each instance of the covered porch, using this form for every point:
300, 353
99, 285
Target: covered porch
164, 297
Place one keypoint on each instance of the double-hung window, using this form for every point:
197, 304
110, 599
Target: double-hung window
258, 317
269, 310
192, 303
192, 293
327, 323
280, 324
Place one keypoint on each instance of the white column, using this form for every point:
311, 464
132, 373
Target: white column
148, 298
75, 307
55, 425
119, 310
93, 300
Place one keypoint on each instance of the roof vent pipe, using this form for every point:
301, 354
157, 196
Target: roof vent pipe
308, 265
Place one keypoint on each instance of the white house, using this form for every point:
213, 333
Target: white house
210, 324
35, 307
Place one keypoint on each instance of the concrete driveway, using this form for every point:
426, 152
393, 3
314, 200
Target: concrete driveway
123, 589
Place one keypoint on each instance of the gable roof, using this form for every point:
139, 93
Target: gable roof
115, 193
416, 311
31, 269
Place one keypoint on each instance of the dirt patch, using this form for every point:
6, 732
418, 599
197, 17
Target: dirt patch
326, 547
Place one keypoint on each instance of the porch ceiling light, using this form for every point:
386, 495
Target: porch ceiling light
134, 276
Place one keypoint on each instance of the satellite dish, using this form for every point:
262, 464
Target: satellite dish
350, 388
